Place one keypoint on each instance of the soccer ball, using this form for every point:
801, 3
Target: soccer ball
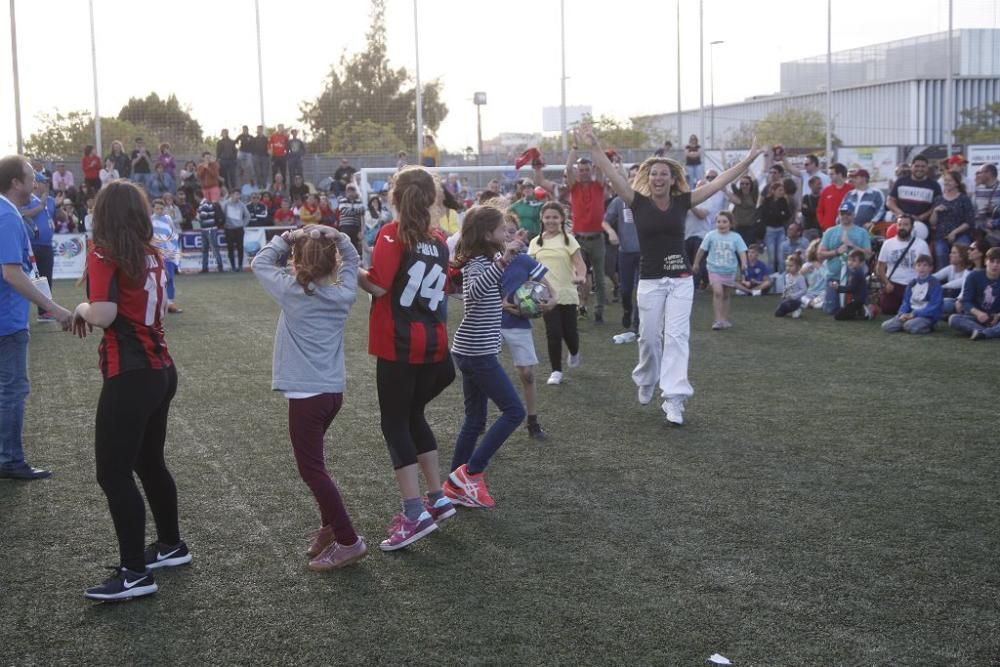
529, 298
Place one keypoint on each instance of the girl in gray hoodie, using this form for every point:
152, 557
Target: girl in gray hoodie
308, 365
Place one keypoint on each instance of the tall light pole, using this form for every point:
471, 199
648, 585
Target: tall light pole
711, 84
829, 83
93, 65
680, 114
562, 79
701, 68
479, 99
949, 93
260, 63
420, 94
17, 84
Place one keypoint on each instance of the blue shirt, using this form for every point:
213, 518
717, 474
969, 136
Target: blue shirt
757, 272
833, 238
520, 270
15, 248
722, 251
981, 292
924, 298
44, 221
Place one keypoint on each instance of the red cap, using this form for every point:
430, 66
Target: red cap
956, 159
862, 172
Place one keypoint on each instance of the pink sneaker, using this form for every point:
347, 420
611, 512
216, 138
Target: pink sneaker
318, 540
403, 532
440, 511
473, 486
337, 556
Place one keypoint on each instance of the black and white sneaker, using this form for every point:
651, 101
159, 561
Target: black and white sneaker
160, 555
124, 584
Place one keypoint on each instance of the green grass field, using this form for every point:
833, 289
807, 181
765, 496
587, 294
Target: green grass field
833, 500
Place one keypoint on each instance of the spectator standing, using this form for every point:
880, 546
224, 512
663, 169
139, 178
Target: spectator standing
351, 214
90, 165
40, 215
237, 218
806, 174
528, 209
16, 291
952, 217
897, 264
109, 173
693, 157
810, 201
166, 239
210, 219
172, 211
141, 163
743, 196
225, 153
344, 174
832, 196
914, 195
123, 165
869, 204
62, 180
166, 158
244, 155
620, 217
261, 161
160, 183
208, 177
987, 200
430, 155
277, 147
775, 213
296, 154
40, 168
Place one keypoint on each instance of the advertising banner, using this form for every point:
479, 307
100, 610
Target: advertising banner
191, 248
69, 255
878, 161
980, 155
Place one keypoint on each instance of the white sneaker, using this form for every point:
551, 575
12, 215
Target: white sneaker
555, 378
646, 393
757, 292
573, 360
674, 408
797, 313
622, 338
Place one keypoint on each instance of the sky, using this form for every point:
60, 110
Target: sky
621, 58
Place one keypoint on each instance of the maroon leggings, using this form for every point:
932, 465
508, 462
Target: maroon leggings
308, 420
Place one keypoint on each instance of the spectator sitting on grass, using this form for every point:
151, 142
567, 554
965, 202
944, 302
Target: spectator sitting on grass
794, 243
922, 302
980, 317
757, 276
815, 275
953, 276
795, 288
856, 289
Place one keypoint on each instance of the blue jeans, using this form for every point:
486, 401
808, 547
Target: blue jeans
942, 248
773, 238
484, 379
967, 324
832, 301
13, 391
694, 173
210, 237
916, 325
171, 272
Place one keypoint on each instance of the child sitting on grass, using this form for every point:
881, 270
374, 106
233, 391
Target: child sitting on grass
815, 275
856, 290
756, 276
922, 303
795, 288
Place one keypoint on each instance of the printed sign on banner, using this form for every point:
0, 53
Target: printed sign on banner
980, 155
191, 258
878, 161
69, 255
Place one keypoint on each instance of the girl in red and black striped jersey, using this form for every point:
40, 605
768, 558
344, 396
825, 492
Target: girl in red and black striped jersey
409, 337
127, 285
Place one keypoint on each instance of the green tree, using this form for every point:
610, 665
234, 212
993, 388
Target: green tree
615, 134
980, 125
166, 117
63, 136
365, 91
798, 128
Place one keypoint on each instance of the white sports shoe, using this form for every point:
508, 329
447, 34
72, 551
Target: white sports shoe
797, 313
573, 360
555, 378
646, 393
622, 338
674, 407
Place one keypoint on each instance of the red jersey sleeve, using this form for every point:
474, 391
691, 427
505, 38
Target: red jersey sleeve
386, 257
103, 277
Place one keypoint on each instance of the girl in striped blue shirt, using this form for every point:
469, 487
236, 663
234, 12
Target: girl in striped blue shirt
482, 255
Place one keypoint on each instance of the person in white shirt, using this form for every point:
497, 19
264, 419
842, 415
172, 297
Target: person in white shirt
897, 262
953, 276
62, 180
109, 173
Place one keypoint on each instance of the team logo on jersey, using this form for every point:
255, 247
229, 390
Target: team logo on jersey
70, 248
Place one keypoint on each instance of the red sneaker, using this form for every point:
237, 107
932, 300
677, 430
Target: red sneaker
529, 156
440, 511
457, 495
474, 486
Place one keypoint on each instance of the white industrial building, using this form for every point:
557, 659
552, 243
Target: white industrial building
885, 94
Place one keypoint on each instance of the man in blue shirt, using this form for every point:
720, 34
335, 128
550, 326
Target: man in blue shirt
836, 244
980, 317
16, 290
39, 216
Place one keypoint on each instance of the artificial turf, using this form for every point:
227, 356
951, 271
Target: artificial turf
832, 500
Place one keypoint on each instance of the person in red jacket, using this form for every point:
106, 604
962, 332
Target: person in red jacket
90, 164
832, 195
277, 146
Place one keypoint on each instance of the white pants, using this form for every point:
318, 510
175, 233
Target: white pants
664, 331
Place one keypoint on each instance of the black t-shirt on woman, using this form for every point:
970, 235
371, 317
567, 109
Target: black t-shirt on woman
661, 236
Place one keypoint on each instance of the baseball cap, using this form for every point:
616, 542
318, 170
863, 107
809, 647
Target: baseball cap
40, 177
956, 159
847, 207
862, 172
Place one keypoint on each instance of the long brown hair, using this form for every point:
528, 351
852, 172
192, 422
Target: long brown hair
314, 260
123, 229
480, 222
558, 208
413, 194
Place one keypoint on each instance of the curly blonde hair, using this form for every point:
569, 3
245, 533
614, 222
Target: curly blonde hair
641, 182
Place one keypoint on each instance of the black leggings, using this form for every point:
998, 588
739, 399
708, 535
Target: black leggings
234, 246
404, 390
130, 430
560, 325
